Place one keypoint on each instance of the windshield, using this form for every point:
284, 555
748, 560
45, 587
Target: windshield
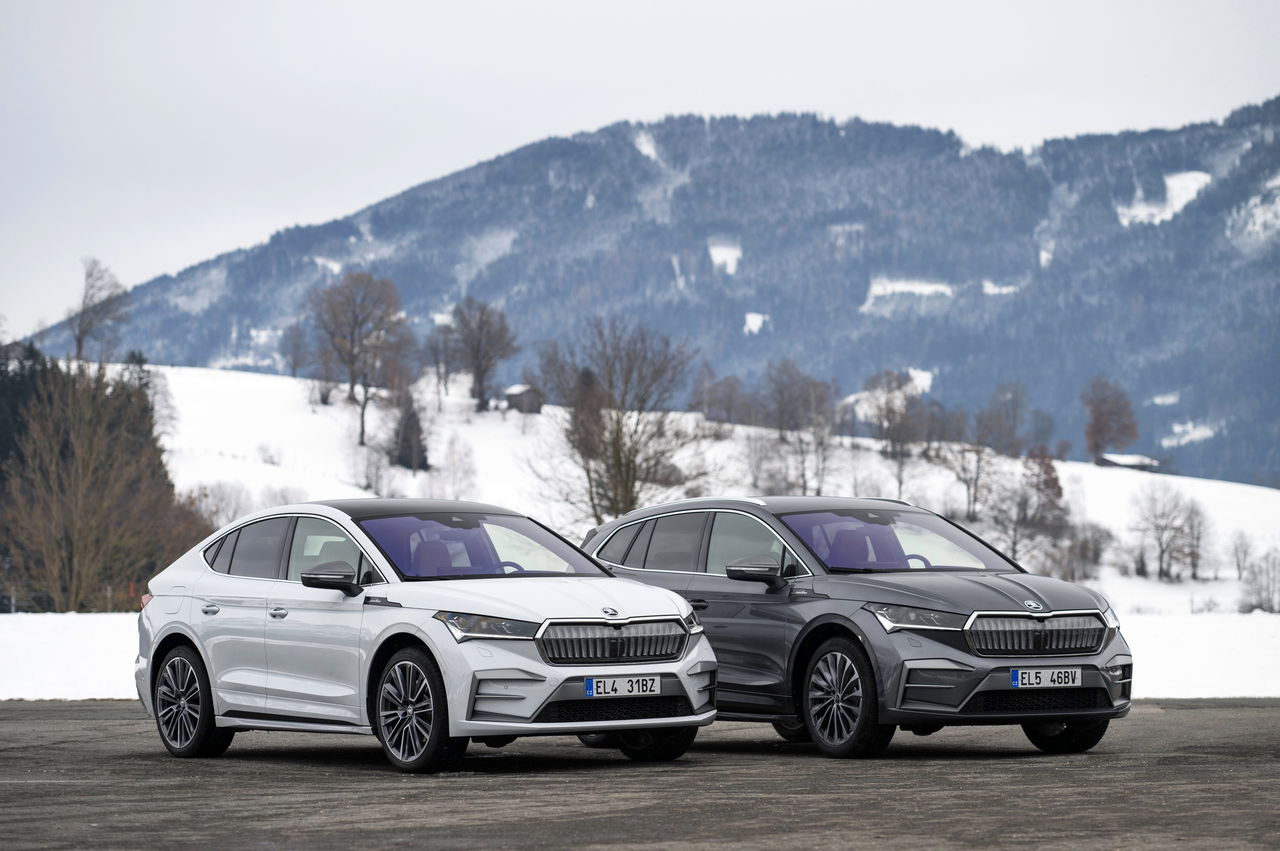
873, 540
471, 546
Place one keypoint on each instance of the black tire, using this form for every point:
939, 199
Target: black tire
792, 731
662, 744
599, 740
456, 748
839, 702
183, 703
409, 688
1069, 737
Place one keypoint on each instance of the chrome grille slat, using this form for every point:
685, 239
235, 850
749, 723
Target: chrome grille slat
601, 643
1011, 635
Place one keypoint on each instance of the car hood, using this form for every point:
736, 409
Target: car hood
537, 598
962, 592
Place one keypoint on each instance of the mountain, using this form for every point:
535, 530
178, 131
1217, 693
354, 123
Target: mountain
1152, 257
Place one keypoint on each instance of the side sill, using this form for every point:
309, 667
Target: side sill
291, 726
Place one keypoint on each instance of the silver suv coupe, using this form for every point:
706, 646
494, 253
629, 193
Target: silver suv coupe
425, 623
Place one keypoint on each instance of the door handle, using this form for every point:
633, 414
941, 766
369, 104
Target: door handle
279, 613
210, 609
699, 605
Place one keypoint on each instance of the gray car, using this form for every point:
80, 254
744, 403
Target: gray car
842, 620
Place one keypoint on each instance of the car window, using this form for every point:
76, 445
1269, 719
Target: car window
223, 561
677, 539
259, 548
639, 547
735, 537
871, 540
514, 548
317, 542
616, 549
211, 552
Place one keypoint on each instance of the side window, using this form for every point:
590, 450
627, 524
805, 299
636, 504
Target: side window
735, 537
223, 562
317, 542
677, 539
211, 551
259, 548
616, 550
635, 555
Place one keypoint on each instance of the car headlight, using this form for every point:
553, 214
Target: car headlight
466, 627
905, 617
1109, 616
692, 623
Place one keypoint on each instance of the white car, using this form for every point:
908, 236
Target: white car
425, 623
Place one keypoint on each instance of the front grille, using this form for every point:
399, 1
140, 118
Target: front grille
1010, 635
1038, 700
591, 643
613, 709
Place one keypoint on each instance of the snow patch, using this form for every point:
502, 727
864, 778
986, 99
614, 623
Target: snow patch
1253, 224
644, 144
675, 267
753, 322
1179, 190
1188, 432
200, 290
332, 266
1164, 400
992, 288
442, 317
921, 379
479, 251
885, 293
590, 203
725, 253
1121, 460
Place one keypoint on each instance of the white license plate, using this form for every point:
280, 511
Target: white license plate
1044, 677
622, 686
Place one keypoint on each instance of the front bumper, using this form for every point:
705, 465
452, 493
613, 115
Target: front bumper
933, 678
505, 688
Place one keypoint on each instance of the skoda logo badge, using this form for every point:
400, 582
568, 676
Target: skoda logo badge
1032, 605
610, 612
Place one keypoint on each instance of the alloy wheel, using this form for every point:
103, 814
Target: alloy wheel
405, 711
835, 697
178, 702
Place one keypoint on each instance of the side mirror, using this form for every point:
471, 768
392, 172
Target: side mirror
337, 575
756, 569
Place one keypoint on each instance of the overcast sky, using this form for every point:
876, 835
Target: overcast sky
154, 135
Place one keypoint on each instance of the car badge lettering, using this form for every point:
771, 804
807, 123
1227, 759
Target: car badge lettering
610, 612
1032, 605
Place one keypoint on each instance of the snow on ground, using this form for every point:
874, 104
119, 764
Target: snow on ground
1188, 432
265, 435
884, 291
1179, 190
1166, 399
725, 253
992, 288
645, 145
753, 322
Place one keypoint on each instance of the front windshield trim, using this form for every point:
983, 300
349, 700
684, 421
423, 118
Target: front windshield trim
1009, 565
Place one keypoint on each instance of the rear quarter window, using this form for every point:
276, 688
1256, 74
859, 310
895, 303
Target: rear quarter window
616, 549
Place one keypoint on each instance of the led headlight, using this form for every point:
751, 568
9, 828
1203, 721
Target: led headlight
466, 627
692, 623
905, 617
1109, 616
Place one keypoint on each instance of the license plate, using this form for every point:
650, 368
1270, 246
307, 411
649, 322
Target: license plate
621, 686
1044, 677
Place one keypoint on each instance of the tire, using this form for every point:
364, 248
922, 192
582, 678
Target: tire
839, 702
411, 713
183, 703
456, 748
792, 731
599, 740
658, 745
1068, 737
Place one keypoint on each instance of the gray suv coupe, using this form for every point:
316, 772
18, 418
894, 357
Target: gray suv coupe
841, 620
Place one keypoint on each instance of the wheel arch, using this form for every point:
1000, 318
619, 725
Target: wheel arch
818, 630
166, 644
389, 646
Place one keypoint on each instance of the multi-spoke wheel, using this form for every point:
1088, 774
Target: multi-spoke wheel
839, 702
183, 705
413, 723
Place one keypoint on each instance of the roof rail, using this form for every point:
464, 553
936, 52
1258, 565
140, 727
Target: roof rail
888, 499
751, 499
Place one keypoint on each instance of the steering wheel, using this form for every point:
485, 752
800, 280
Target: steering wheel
927, 564
518, 568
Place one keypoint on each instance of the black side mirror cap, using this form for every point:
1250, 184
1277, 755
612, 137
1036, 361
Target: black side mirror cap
756, 569
337, 575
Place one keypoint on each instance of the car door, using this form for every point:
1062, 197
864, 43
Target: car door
313, 634
229, 613
746, 622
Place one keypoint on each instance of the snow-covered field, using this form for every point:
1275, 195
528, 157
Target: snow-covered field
255, 440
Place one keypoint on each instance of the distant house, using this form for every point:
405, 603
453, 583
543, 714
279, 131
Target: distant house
1130, 462
525, 399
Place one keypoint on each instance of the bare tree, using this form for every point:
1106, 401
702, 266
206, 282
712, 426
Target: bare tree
1262, 584
618, 382
440, 351
1241, 552
294, 348
352, 316
1195, 528
756, 453
459, 468
970, 463
383, 362
1161, 520
1001, 420
785, 396
101, 308
484, 341
1111, 421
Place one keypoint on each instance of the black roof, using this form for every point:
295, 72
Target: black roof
775, 504
375, 507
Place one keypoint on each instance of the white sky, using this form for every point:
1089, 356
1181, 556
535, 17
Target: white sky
154, 135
